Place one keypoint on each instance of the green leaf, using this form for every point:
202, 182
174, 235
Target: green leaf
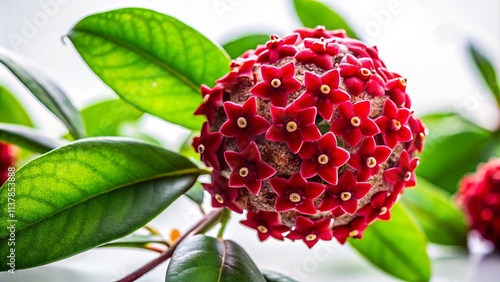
207, 259
12, 111
396, 246
238, 46
48, 93
273, 276
88, 193
105, 118
151, 60
136, 241
454, 147
28, 138
196, 193
442, 222
313, 13
487, 71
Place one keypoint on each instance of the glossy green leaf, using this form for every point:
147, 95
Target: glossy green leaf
151, 60
238, 46
442, 222
48, 93
88, 193
196, 193
207, 259
487, 71
397, 246
11, 109
105, 118
313, 13
273, 276
28, 138
454, 147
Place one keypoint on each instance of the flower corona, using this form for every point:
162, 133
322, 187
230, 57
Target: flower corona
311, 135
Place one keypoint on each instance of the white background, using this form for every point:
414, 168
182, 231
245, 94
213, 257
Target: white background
424, 41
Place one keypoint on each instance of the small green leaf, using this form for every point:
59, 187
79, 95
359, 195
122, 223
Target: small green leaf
313, 13
396, 246
48, 93
454, 147
105, 118
273, 276
11, 109
207, 259
238, 46
487, 71
151, 60
88, 193
28, 138
441, 220
196, 193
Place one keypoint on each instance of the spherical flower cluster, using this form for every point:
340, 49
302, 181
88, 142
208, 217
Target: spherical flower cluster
479, 196
311, 134
6, 161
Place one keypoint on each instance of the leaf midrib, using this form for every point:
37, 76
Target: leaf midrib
140, 52
223, 258
185, 172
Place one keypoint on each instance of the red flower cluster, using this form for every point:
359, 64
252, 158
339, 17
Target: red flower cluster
312, 135
6, 161
479, 196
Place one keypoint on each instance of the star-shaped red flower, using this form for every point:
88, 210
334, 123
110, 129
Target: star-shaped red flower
393, 124
248, 168
266, 223
296, 193
395, 87
243, 122
318, 52
311, 231
404, 172
207, 145
419, 131
323, 158
344, 195
323, 93
212, 99
277, 84
367, 160
360, 75
293, 126
222, 195
319, 31
239, 68
277, 48
354, 123
353, 229
378, 207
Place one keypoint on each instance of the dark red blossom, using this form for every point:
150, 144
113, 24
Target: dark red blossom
367, 160
393, 124
418, 131
277, 48
311, 231
344, 195
360, 75
354, 123
293, 126
296, 193
277, 84
323, 93
243, 122
323, 158
354, 229
378, 207
207, 145
319, 31
395, 87
239, 68
248, 168
318, 52
212, 99
404, 173
266, 223
222, 195
7, 160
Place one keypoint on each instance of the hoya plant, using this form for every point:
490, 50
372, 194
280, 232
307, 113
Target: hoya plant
308, 134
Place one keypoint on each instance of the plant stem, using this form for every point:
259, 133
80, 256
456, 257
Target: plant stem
205, 224
225, 218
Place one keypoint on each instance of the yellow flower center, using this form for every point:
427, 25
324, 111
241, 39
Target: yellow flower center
294, 197
275, 83
262, 229
219, 198
345, 196
371, 162
323, 159
355, 121
325, 89
354, 233
402, 81
201, 149
311, 237
205, 99
291, 126
365, 72
407, 176
383, 211
242, 122
243, 172
396, 124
